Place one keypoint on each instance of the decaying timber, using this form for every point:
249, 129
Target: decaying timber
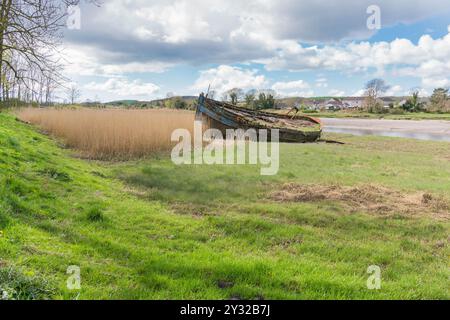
222, 116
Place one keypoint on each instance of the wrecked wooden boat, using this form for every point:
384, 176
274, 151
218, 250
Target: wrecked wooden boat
222, 116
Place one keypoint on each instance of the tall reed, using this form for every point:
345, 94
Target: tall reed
111, 133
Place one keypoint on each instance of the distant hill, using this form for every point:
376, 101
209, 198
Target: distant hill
158, 103
187, 99
149, 103
122, 103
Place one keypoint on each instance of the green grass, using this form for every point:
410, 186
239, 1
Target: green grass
152, 230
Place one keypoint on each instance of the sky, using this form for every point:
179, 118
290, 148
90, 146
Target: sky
143, 50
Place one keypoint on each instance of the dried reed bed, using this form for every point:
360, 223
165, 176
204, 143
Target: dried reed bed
109, 134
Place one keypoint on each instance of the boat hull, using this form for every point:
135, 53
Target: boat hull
224, 116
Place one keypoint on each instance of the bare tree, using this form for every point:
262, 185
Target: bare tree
73, 94
225, 96
374, 88
212, 94
50, 86
30, 32
440, 100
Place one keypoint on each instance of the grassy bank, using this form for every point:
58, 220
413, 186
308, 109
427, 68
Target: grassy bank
149, 229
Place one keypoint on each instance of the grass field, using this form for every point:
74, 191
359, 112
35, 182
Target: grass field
149, 229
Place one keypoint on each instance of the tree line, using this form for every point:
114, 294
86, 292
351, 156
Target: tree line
252, 99
439, 100
374, 89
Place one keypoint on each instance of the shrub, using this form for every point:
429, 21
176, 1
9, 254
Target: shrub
397, 111
95, 214
413, 104
13, 142
14, 285
57, 175
439, 101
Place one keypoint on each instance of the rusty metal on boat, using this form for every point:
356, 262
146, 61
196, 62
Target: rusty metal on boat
222, 116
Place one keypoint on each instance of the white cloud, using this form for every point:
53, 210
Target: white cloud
436, 83
394, 91
123, 88
359, 93
422, 93
179, 21
87, 61
297, 88
361, 56
433, 73
322, 83
234, 31
428, 60
225, 77
139, 36
292, 85
336, 93
135, 67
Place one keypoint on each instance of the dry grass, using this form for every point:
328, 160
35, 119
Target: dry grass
368, 198
111, 134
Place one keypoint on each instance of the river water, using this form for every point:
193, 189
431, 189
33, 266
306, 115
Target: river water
435, 130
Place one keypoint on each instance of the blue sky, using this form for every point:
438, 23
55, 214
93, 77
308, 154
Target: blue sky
146, 49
